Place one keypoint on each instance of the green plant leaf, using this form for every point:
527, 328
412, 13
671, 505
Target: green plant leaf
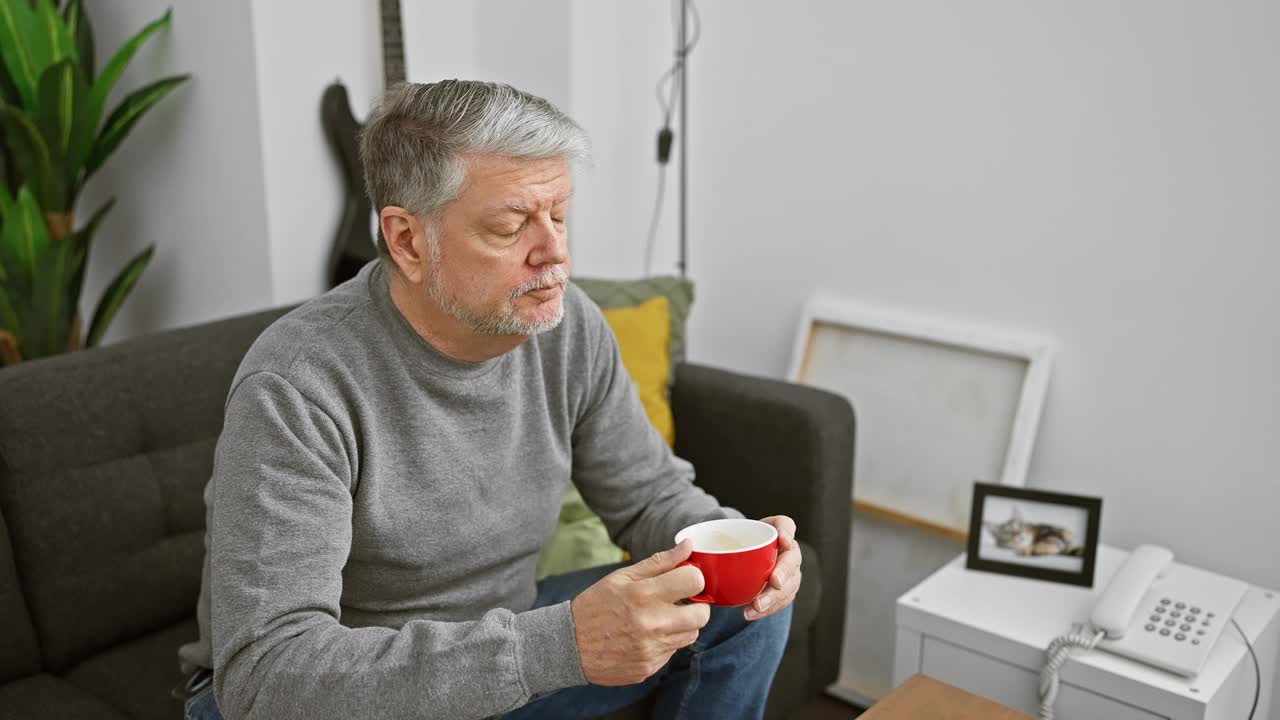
25, 235
60, 114
123, 118
83, 239
103, 83
65, 125
57, 38
48, 324
22, 48
30, 154
115, 295
8, 315
81, 29
6, 201
23, 238
8, 90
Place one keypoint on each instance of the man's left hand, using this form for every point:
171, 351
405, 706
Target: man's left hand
784, 582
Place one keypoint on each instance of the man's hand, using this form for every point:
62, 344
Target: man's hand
784, 583
629, 623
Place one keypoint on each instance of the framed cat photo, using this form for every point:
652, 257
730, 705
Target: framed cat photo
1034, 533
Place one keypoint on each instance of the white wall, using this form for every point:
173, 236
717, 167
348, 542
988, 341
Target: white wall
189, 176
1105, 173
620, 50
302, 47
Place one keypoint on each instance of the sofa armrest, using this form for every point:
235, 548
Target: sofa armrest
769, 447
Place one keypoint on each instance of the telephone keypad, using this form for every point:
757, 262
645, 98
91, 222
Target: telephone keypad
1169, 619
1173, 628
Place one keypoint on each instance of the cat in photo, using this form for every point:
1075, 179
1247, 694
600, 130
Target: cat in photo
1026, 538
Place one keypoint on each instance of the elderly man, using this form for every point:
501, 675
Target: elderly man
395, 453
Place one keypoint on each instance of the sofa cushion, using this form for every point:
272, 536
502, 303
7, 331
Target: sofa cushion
678, 291
19, 655
43, 696
643, 333
136, 677
104, 455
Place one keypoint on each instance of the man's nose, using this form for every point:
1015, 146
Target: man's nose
552, 247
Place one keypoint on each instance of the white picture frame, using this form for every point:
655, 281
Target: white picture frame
905, 435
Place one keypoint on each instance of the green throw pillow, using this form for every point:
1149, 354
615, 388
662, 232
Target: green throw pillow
581, 539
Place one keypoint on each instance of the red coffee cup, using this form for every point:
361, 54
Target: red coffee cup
735, 557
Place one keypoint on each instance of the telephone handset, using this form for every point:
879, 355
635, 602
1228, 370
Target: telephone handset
1164, 614
1154, 611
1115, 609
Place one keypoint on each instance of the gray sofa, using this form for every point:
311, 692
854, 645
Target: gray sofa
104, 454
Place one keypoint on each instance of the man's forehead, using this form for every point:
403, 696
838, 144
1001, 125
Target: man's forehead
528, 202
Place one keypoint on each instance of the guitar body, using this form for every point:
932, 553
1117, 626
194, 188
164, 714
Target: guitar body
353, 246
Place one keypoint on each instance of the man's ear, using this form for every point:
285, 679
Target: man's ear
403, 234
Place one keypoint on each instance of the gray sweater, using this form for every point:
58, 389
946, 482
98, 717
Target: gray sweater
377, 509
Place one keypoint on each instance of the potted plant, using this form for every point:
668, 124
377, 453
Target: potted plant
56, 134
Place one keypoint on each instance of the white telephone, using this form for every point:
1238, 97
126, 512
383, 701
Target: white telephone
1153, 611
1163, 614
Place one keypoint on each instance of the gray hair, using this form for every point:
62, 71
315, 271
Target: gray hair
414, 144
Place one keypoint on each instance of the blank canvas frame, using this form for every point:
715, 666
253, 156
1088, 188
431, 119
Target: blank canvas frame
940, 405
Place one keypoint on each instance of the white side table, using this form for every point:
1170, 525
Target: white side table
986, 633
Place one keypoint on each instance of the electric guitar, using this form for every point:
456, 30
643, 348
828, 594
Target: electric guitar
354, 245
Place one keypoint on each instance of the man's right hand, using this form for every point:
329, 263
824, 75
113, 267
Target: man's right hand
630, 622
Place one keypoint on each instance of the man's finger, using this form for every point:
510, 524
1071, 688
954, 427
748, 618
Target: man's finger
751, 613
787, 566
681, 619
767, 600
785, 525
781, 586
683, 640
662, 562
678, 584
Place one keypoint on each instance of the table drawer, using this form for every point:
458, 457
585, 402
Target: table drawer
1017, 687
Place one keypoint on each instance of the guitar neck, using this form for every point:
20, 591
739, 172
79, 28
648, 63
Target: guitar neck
393, 70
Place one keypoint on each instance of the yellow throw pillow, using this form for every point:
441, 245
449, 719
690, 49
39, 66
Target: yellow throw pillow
644, 338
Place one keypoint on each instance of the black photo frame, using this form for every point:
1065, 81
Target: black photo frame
1024, 515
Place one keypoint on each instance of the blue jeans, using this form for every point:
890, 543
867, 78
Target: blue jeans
725, 674
201, 706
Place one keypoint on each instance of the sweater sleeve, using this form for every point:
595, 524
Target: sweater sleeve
280, 534
624, 469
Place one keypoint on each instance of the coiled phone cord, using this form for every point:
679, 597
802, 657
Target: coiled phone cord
1058, 651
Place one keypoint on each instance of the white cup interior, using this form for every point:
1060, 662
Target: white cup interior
728, 536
